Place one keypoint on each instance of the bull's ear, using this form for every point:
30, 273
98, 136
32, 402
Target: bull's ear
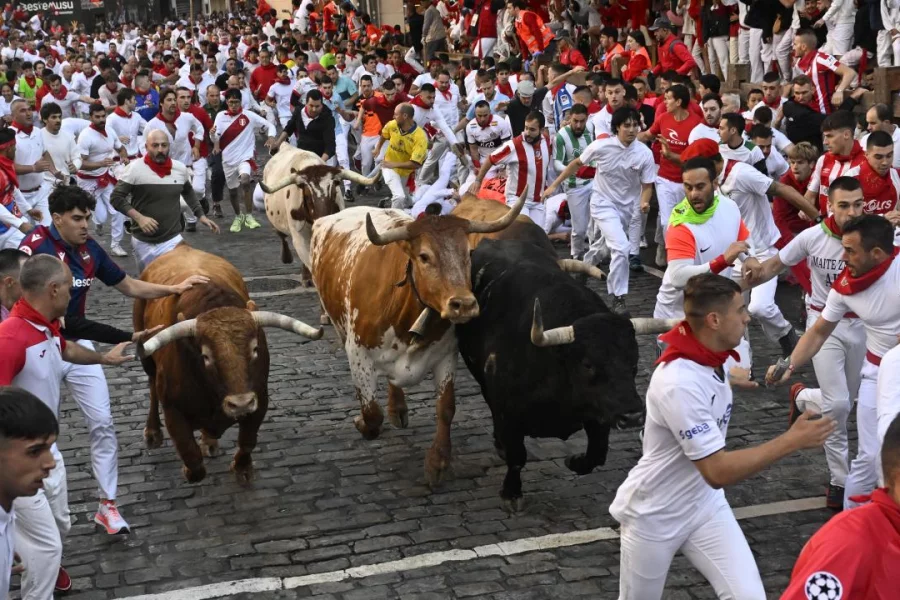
180, 317
251, 305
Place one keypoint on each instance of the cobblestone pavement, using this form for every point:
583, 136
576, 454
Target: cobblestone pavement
324, 499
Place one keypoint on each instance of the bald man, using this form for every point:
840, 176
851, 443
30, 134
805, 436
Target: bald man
149, 191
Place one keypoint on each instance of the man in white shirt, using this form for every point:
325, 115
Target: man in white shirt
484, 134
98, 150
125, 124
761, 137
711, 105
28, 430
32, 161
60, 145
430, 76
839, 361
601, 121
733, 146
65, 98
879, 118
672, 501
868, 288
279, 96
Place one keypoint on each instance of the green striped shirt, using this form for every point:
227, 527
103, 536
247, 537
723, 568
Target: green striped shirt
568, 148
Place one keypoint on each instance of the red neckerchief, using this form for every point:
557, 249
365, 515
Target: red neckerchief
100, 131
121, 113
594, 107
792, 181
804, 63
772, 105
8, 170
26, 129
23, 310
31, 81
197, 82
240, 110
62, 93
127, 82
163, 118
555, 90
141, 92
855, 151
830, 224
848, 285
329, 95
682, 344
447, 95
163, 170
283, 80
417, 101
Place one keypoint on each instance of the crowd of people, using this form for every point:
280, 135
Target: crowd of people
600, 113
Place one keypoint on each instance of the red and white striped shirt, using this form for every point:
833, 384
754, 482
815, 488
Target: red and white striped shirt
829, 167
822, 69
526, 167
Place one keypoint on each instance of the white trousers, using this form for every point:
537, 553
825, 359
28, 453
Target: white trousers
636, 229
696, 51
399, 190
198, 182
715, 546
485, 47
579, 200
743, 49
536, 211
888, 401
87, 385
717, 49
839, 39
668, 194
40, 201
837, 364
864, 469
888, 49
762, 305
613, 222
784, 46
343, 158
366, 151
145, 253
758, 53
42, 523
11, 238
428, 172
104, 211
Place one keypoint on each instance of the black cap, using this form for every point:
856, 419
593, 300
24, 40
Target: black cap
661, 22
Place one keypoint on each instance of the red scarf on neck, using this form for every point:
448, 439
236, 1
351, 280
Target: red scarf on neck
26, 129
855, 151
447, 95
790, 179
127, 82
8, 170
831, 227
848, 285
171, 121
62, 93
195, 81
121, 113
682, 344
163, 170
100, 131
417, 101
31, 81
141, 92
284, 80
23, 310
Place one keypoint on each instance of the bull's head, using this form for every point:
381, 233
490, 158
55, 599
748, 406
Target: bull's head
321, 189
601, 354
438, 253
228, 342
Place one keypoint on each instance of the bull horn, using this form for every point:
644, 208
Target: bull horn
184, 329
644, 325
391, 235
358, 177
553, 337
290, 180
265, 318
501, 223
570, 265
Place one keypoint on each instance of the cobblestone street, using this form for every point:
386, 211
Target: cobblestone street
325, 500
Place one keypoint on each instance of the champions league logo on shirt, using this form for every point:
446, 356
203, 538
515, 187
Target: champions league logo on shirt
823, 586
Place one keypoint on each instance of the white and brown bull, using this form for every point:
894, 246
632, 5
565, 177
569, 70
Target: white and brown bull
209, 367
300, 188
377, 272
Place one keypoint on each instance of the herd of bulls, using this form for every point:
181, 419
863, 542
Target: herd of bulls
405, 296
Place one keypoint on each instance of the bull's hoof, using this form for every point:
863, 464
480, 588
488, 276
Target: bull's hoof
324, 319
194, 475
435, 467
399, 419
242, 473
579, 464
209, 447
153, 438
369, 432
307, 283
513, 505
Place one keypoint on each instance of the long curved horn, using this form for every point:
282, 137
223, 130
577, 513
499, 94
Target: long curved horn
184, 329
265, 318
291, 179
570, 265
501, 223
553, 337
644, 325
358, 178
391, 235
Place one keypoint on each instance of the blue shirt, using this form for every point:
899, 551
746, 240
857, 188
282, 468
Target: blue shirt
147, 112
498, 98
338, 128
344, 88
86, 262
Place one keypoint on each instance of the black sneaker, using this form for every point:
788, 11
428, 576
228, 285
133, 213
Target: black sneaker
191, 227
204, 204
217, 211
788, 342
635, 264
619, 307
834, 497
348, 196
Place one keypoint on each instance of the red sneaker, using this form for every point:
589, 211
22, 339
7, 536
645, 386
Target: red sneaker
795, 410
109, 518
63, 581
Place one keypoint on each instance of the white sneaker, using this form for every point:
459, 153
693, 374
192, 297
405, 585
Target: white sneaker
117, 250
109, 518
661, 256
644, 242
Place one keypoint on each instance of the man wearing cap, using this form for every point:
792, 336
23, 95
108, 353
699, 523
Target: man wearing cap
673, 54
522, 104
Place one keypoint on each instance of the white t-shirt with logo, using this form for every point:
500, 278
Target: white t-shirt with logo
488, 138
688, 409
823, 253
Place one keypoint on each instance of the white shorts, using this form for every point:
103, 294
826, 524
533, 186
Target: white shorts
145, 253
233, 173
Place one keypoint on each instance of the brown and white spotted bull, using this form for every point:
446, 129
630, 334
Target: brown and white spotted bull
377, 271
300, 188
209, 368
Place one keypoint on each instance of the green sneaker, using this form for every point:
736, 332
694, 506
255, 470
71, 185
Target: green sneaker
237, 223
250, 222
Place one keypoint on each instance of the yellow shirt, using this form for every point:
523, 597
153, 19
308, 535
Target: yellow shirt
403, 147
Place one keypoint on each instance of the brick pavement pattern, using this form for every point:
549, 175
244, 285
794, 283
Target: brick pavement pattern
324, 499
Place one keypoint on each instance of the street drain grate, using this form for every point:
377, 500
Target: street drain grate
265, 286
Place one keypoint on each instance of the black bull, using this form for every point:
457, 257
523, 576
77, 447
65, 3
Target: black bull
584, 380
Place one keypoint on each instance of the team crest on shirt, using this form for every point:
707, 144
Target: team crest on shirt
243, 121
62, 256
822, 585
85, 256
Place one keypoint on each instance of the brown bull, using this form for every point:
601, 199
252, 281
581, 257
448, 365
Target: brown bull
209, 368
376, 272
